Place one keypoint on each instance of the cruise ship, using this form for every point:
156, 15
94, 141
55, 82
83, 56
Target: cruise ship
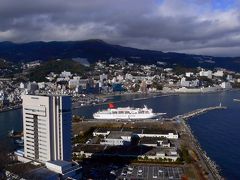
123, 113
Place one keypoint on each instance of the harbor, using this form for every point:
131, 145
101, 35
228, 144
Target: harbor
213, 121
207, 165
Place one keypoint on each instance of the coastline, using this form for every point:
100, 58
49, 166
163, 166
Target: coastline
210, 164
147, 96
11, 108
144, 96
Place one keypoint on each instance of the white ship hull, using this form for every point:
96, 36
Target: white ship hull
124, 116
126, 113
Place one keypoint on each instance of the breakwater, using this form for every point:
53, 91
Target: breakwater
197, 112
210, 164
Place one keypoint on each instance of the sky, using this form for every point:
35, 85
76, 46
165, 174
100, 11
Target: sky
208, 27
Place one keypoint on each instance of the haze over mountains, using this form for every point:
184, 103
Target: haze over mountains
94, 50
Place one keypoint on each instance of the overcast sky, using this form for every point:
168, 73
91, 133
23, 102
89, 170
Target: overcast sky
209, 27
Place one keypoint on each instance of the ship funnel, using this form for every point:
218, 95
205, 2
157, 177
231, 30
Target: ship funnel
111, 106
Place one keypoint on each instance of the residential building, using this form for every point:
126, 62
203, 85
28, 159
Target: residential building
226, 85
116, 138
218, 73
207, 74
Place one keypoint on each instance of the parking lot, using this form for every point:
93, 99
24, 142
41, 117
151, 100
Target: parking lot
149, 172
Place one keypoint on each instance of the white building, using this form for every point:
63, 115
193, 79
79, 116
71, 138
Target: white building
47, 127
207, 74
229, 77
167, 69
32, 86
185, 83
218, 73
166, 134
117, 138
119, 78
103, 77
65, 74
41, 85
21, 86
100, 132
65, 169
189, 74
128, 76
74, 82
226, 85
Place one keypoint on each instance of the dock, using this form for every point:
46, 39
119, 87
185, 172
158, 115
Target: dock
197, 112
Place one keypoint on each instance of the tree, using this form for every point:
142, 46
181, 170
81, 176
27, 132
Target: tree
184, 154
135, 140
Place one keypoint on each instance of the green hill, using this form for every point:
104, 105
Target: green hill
57, 66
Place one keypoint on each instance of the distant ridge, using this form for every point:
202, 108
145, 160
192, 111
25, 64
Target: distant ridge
95, 49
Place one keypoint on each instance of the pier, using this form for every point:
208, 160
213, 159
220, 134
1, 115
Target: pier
197, 112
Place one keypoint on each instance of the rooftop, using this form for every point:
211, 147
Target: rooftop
89, 148
118, 134
151, 140
153, 131
60, 163
107, 129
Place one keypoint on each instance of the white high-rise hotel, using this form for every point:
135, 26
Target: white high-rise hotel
47, 127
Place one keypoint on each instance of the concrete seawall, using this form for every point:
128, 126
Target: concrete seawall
197, 112
210, 164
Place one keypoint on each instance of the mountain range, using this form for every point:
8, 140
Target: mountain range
94, 50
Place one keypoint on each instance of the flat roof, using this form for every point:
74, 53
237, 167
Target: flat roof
47, 95
118, 134
149, 130
89, 148
153, 131
60, 162
151, 140
125, 150
107, 129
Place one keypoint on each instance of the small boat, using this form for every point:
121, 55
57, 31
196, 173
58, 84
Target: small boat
237, 100
20, 142
10, 133
15, 134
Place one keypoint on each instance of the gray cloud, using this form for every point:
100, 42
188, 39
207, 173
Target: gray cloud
192, 26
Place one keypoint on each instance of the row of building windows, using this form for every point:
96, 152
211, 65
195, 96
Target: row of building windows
30, 133
41, 140
42, 152
34, 110
40, 136
31, 114
30, 153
